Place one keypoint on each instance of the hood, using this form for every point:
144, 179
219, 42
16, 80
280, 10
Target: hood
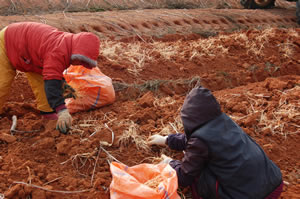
85, 47
199, 107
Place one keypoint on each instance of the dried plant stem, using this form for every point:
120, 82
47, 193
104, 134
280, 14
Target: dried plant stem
87, 5
56, 191
99, 151
173, 126
112, 134
14, 126
286, 183
109, 155
52, 181
15, 7
133, 29
156, 83
29, 174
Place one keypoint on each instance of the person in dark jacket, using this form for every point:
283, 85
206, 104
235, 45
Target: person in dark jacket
220, 159
43, 53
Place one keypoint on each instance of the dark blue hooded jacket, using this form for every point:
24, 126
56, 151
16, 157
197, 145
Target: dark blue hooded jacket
218, 150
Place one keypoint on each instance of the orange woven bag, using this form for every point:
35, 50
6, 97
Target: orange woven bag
93, 88
143, 181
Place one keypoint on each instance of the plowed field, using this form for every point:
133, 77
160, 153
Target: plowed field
250, 59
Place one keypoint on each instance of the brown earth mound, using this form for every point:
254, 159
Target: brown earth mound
253, 70
22, 7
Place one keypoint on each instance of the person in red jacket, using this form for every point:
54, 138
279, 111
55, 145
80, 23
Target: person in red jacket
43, 53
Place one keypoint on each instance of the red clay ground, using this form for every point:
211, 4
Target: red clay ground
249, 59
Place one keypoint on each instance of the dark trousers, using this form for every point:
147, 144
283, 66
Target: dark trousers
205, 186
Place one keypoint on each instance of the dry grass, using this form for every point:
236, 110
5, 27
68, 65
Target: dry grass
131, 135
154, 85
171, 127
82, 127
178, 124
133, 53
162, 102
136, 55
283, 118
152, 159
83, 160
257, 44
288, 48
166, 130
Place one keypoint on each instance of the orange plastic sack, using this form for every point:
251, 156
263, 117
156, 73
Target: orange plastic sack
93, 88
143, 181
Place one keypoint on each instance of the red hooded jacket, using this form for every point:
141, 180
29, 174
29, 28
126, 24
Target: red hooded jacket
43, 49
40, 48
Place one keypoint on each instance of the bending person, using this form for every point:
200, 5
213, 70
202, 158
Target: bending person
43, 53
220, 159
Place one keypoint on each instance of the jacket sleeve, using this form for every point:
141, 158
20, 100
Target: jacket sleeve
176, 141
54, 93
193, 162
54, 65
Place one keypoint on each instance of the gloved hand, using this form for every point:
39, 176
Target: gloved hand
157, 140
64, 121
166, 159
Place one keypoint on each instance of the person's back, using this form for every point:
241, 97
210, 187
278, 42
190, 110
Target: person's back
235, 161
40, 48
220, 159
238, 163
29, 45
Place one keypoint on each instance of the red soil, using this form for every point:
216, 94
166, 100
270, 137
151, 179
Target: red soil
252, 69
